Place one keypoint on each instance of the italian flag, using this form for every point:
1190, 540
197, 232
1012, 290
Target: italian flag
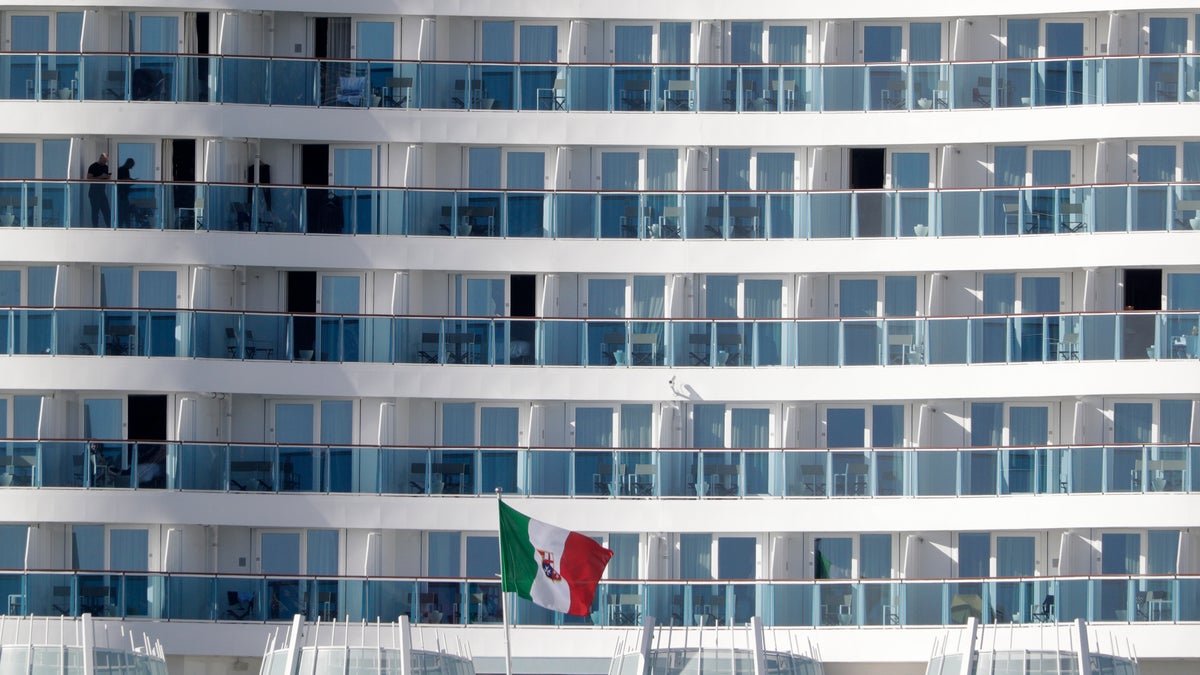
555, 568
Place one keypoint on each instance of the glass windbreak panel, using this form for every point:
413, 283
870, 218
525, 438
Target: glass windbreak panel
832, 557
280, 553
974, 554
882, 43
735, 557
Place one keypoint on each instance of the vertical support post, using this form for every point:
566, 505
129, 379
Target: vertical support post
1083, 653
646, 643
405, 646
968, 658
293, 645
757, 644
88, 642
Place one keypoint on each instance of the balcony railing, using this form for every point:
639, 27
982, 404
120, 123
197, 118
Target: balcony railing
862, 214
674, 88
620, 343
826, 603
712, 473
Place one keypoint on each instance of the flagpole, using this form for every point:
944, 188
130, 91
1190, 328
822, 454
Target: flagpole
504, 602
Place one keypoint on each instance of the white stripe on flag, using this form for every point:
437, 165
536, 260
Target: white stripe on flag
550, 541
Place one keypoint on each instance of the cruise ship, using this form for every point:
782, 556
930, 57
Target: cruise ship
868, 324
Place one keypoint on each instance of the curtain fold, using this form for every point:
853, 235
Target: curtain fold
746, 42
662, 169
750, 427
539, 44
632, 44
786, 44
458, 424
708, 425
593, 427
498, 427
674, 42
925, 42
636, 425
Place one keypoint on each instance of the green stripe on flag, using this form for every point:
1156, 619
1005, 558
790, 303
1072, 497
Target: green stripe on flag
518, 565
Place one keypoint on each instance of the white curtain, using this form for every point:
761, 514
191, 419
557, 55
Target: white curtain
593, 427
539, 44
750, 427
458, 424
776, 171
648, 297
695, 556
636, 425
674, 42
662, 169
764, 298
708, 425
632, 44
785, 44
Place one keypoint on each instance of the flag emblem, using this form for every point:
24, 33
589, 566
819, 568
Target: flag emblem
548, 565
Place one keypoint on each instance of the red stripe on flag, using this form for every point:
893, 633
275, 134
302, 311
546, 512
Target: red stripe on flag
582, 565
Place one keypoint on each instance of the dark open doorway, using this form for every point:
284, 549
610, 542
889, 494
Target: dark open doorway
522, 301
148, 422
868, 172
183, 170
302, 297
1142, 292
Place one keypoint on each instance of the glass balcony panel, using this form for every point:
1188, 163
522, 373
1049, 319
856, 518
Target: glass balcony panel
453, 472
1160, 80
1112, 598
22, 72
217, 336
1015, 84
734, 344
647, 343
562, 343
620, 216
528, 214
764, 343
548, 472
50, 595
758, 467
663, 216
498, 469
443, 85
252, 468
842, 88
1111, 208
483, 603
33, 331
588, 88
1098, 337
805, 474
817, 343
538, 90
675, 89
887, 87
692, 343
106, 77
12, 203
431, 213
829, 215
197, 467
63, 464
972, 85
746, 216
1138, 337
402, 471
966, 602
905, 342
679, 474
706, 216
1125, 469
851, 475
197, 79
98, 594
244, 80
836, 605
575, 216
493, 87
861, 343
717, 88
294, 82
937, 472
989, 339
783, 216
1149, 206
790, 604
594, 473
441, 602
51, 204
1119, 78
1188, 600
1022, 471
889, 473
266, 336
1087, 470
157, 332
1180, 336
633, 88
152, 77
930, 86
978, 472
873, 215
923, 604
389, 598
915, 214
880, 603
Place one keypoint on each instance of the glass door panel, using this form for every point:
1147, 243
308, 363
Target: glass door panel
299, 464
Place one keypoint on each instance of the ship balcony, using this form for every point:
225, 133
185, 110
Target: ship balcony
634, 473
572, 214
432, 341
550, 87
820, 603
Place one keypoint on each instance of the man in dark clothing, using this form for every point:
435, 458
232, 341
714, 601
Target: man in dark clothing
98, 192
124, 173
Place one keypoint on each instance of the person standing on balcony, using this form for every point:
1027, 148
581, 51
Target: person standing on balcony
124, 173
98, 192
